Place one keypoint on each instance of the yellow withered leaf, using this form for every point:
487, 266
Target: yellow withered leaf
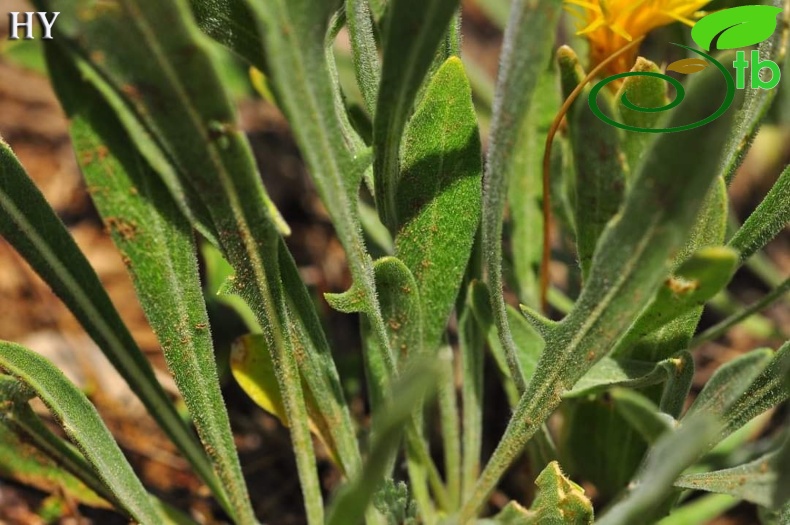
252, 367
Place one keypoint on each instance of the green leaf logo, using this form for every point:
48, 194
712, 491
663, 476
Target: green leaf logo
738, 27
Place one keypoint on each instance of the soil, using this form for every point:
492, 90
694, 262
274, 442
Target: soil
32, 122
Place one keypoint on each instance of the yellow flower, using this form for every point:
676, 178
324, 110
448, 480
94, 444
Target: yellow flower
611, 24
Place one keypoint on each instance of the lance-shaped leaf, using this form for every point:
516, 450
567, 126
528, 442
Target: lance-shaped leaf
438, 195
83, 425
767, 390
559, 501
190, 117
765, 223
630, 373
729, 382
411, 37
524, 189
632, 260
755, 481
642, 414
471, 343
600, 164
230, 23
295, 38
25, 461
526, 51
53, 460
696, 281
367, 65
756, 102
158, 247
417, 384
22, 462
670, 456
40, 237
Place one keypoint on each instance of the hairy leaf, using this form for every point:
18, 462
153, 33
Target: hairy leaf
559, 501
526, 51
83, 425
691, 285
412, 390
633, 257
158, 247
40, 237
600, 164
411, 37
438, 195
672, 454
756, 102
230, 23
755, 481
767, 221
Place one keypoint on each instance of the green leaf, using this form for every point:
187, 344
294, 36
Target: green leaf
364, 53
559, 501
438, 195
471, 343
57, 459
633, 258
295, 34
768, 389
157, 245
700, 510
400, 306
756, 102
413, 32
526, 51
670, 456
736, 27
767, 221
675, 332
416, 385
729, 382
82, 424
40, 237
692, 284
402, 312
230, 23
777, 294
642, 414
524, 190
600, 164
630, 373
191, 119
755, 481
22, 462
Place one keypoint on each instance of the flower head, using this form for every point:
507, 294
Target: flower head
611, 24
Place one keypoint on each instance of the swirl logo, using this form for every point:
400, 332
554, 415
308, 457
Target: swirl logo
728, 29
